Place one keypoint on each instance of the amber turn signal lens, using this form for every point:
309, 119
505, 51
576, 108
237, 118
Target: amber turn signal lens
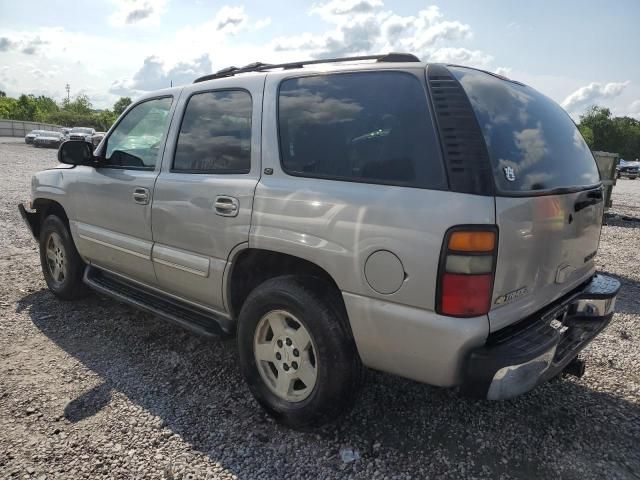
472, 241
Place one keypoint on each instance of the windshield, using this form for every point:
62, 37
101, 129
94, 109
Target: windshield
532, 142
80, 130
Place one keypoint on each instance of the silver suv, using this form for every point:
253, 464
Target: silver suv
433, 221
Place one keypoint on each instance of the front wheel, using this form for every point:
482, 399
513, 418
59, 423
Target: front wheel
296, 351
61, 264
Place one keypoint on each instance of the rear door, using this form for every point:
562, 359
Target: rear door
203, 196
549, 203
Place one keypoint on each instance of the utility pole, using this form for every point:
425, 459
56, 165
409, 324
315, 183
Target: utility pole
68, 89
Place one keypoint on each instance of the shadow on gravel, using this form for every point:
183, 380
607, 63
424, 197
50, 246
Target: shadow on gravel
88, 404
194, 386
623, 221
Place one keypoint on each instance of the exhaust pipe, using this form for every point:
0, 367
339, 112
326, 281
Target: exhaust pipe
576, 368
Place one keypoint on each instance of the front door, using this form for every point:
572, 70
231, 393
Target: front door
112, 221
204, 194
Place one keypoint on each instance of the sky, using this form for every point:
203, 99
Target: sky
579, 53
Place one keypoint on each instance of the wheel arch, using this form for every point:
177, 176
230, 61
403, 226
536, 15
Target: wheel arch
252, 266
45, 207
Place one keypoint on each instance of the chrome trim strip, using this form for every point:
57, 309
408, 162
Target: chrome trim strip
180, 267
115, 247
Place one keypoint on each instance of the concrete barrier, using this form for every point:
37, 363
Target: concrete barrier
18, 128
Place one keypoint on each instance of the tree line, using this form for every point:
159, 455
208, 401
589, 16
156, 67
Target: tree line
76, 112
607, 133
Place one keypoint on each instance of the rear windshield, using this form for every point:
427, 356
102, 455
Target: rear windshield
533, 144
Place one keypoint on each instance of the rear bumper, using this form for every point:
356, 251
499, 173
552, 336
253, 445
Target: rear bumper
519, 357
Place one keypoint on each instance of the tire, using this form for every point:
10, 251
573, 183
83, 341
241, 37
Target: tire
58, 254
331, 352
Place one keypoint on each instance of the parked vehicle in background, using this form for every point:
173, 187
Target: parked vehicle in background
96, 138
331, 225
65, 131
81, 133
49, 139
628, 169
29, 137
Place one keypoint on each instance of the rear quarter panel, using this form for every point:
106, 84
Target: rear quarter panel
339, 224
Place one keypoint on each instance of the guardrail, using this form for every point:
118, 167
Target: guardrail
19, 128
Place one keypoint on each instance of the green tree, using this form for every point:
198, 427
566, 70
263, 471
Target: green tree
121, 105
80, 105
629, 134
104, 120
26, 108
7, 107
605, 134
2, 94
587, 134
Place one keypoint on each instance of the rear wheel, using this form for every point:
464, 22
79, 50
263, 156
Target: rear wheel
61, 264
296, 351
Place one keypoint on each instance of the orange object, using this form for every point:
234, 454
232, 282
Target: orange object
472, 241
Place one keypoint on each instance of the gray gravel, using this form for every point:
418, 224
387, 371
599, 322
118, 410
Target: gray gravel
94, 389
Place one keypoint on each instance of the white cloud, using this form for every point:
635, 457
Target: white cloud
262, 23
28, 44
153, 75
230, 19
592, 94
227, 37
5, 44
137, 12
504, 71
461, 56
336, 8
363, 27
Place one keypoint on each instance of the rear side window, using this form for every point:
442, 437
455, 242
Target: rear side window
215, 134
533, 144
370, 127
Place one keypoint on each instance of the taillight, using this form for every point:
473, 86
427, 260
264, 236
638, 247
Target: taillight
467, 267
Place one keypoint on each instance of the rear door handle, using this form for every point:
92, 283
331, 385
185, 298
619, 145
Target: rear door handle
141, 195
227, 206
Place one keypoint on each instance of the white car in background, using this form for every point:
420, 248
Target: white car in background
49, 139
29, 137
81, 133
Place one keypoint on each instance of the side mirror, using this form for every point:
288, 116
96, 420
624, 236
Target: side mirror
76, 152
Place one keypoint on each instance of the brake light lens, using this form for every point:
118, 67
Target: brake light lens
466, 271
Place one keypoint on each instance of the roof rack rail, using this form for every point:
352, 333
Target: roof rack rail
259, 66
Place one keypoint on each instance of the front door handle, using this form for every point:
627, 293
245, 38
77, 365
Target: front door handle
227, 206
141, 195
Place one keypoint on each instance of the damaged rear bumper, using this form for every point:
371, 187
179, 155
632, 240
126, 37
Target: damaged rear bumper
519, 357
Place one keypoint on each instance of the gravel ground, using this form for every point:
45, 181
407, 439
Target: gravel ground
94, 389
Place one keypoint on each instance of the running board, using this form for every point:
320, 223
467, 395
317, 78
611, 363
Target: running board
192, 318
